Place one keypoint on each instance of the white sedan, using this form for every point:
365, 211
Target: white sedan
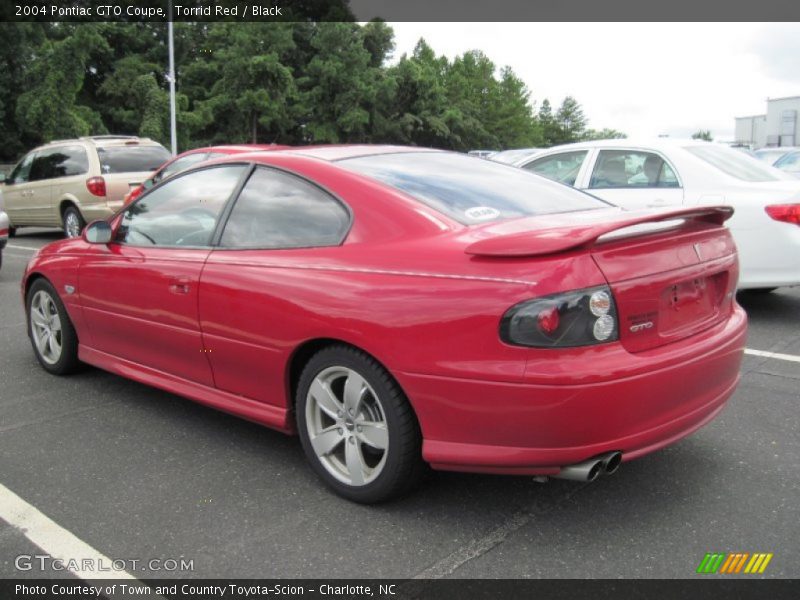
670, 172
3, 233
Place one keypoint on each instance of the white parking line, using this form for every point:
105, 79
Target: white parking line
56, 541
777, 355
18, 247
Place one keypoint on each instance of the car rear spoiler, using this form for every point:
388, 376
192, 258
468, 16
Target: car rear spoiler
549, 234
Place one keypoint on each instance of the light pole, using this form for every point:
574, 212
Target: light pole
173, 133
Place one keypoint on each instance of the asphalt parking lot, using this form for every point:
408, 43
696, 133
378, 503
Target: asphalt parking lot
139, 473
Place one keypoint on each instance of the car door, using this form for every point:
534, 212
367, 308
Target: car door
139, 293
256, 285
16, 192
634, 179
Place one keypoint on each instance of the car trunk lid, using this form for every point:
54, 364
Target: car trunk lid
672, 272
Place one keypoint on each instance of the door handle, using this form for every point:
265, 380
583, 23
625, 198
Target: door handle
179, 285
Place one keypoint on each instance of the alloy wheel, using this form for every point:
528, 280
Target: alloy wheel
347, 426
46, 327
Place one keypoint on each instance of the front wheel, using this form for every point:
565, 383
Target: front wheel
356, 426
53, 337
73, 222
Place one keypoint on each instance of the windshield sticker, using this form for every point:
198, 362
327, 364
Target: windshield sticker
482, 213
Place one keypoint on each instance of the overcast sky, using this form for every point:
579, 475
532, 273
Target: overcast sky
643, 79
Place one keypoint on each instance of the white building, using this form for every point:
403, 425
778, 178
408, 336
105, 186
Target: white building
779, 127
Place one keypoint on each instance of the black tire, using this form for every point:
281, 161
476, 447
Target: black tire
403, 467
68, 361
761, 291
12, 232
71, 212
1, 258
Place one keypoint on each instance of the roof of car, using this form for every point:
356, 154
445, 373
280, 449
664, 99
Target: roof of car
656, 143
236, 148
339, 152
107, 140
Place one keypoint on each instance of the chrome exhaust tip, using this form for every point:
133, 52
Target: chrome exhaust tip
588, 470
611, 462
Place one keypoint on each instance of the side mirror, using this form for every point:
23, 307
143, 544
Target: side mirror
97, 232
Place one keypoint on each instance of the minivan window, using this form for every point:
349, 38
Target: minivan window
468, 189
62, 161
131, 159
22, 171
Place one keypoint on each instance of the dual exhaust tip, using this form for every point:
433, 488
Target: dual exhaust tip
591, 469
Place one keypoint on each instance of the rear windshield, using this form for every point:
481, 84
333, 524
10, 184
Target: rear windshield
130, 159
734, 163
471, 190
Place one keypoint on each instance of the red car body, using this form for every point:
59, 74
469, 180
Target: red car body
425, 296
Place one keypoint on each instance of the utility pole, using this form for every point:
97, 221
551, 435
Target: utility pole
173, 132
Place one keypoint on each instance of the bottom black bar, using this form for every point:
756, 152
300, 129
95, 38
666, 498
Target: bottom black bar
708, 586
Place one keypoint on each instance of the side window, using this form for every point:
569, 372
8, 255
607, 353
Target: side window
277, 210
22, 171
42, 167
182, 212
630, 169
562, 167
63, 161
179, 165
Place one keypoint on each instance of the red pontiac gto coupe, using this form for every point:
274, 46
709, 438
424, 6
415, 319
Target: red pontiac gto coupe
398, 306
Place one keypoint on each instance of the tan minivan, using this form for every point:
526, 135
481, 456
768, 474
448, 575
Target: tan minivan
69, 183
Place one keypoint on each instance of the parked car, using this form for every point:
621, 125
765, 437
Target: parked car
790, 163
772, 155
395, 306
3, 234
71, 182
511, 157
190, 158
670, 172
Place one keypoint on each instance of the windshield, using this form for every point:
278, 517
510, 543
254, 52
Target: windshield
790, 162
131, 159
733, 163
471, 190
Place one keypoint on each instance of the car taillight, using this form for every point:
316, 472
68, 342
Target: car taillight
579, 318
96, 186
133, 195
788, 213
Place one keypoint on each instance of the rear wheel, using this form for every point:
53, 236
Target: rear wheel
73, 222
356, 426
52, 335
12, 231
762, 290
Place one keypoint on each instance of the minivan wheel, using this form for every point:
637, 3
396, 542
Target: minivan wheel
73, 222
356, 426
52, 334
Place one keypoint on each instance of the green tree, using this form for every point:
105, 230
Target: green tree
570, 122
602, 134
703, 134
48, 108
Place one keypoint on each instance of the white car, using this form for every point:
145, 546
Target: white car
513, 157
671, 172
3, 233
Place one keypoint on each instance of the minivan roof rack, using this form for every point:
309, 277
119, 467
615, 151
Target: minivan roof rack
111, 137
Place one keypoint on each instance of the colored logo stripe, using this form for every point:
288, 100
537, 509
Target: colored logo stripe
734, 562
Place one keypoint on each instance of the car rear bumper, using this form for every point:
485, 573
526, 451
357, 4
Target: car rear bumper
650, 402
103, 210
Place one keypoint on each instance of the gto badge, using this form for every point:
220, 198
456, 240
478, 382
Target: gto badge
641, 326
